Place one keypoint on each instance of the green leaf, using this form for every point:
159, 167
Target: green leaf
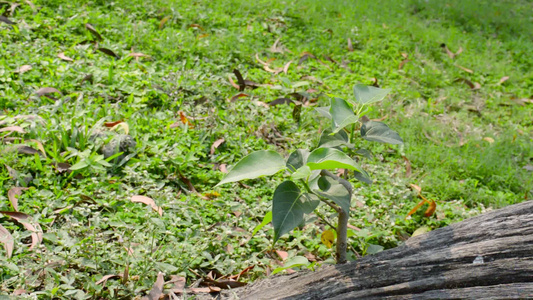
342, 114
302, 173
289, 207
369, 94
380, 132
329, 158
363, 176
329, 188
294, 262
297, 159
257, 164
324, 111
364, 152
79, 165
266, 219
373, 249
329, 140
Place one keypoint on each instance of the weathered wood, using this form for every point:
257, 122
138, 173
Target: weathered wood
436, 265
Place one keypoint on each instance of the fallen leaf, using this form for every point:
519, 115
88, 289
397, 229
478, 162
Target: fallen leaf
7, 239
93, 31
13, 129
216, 144
163, 22
279, 101
108, 52
184, 120
6, 20
405, 55
23, 69
224, 284
402, 63
238, 96
407, 166
22, 149
157, 288
196, 26
350, 46
112, 124
179, 284
12, 172
104, 279
200, 290
282, 254
125, 275
88, 77
277, 47
242, 272
64, 57
416, 187
464, 69
286, 67
12, 196
528, 168
201, 36
19, 292
328, 238
39, 146
431, 209
473, 86
233, 84
449, 52
29, 224
47, 90
503, 79
223, 168
148, 201
412, 211
211, 195
137, 55
489, 140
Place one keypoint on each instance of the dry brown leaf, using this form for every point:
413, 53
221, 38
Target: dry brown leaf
286, 67
196, 26
106, 278
416, 188
12, 172
233, 84
277, 47
239, 95
402, 63
350, 46
157, 288
22, 149
109, 52
489, 140
472, 85
47, 90
39, 146
216, 144
431, 209
240, 80
148, 201
412, 211
12, 196
503, 79
184, 120
23, 69
274, 71
93, 31
13, 129
7, 239
179, 284
223, 168
282, 254
29, 224
64, 57
464, 69
199, 290
407, 166
112, 124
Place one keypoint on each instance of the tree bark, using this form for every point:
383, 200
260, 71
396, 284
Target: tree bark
486, 257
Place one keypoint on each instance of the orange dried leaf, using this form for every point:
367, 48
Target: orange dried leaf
148, 201
416, 207
431, 209
238, 96
416, 188
112, 124
282, 254
12, 196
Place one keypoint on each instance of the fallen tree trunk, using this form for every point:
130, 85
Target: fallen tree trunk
486, 257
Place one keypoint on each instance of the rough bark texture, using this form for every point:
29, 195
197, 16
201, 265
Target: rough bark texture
436, 265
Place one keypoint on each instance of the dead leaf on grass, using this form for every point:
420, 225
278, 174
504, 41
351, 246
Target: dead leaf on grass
23, 69
47, 90
29, 224
7, 240
13, 129
64, 57
163, 22
407, 166
239, 95
109, 52
282, 254
216, 144
12, 195
416, 188
157, 288
148, 201
503, 79
104, 279
279, 101
350, 46
472, 85
93, 31
240, 80
465, 69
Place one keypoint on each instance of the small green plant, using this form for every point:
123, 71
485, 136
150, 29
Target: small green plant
311, 183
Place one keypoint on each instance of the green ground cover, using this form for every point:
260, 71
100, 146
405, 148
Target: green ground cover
466, 118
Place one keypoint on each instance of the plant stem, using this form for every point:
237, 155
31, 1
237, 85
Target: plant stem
342, 224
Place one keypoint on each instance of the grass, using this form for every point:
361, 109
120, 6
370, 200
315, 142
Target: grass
468, 149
